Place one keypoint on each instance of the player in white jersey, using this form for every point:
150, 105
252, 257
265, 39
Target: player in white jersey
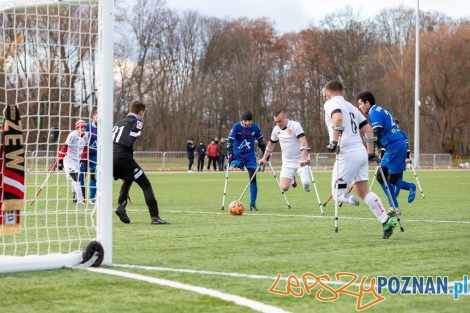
70, 155
351, 168
294, 148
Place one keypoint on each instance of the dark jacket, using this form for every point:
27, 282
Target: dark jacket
190, 149
201, 150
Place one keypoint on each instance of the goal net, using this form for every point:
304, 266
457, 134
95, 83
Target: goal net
52, 58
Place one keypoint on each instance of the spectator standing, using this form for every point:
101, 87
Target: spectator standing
190, 150
212, 154
222, 148
201, 154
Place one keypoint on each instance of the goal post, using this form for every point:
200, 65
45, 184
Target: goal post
56, 67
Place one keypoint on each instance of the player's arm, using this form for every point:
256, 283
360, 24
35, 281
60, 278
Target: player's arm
61, 156
267, 152
260, 139
304, 148
337, 129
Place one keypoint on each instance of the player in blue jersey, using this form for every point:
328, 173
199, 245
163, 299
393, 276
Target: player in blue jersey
241, 150
88, 163
395, 144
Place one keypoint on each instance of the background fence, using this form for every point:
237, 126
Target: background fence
178, 160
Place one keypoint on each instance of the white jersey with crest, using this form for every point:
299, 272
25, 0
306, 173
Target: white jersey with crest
75, 144
289, 141
353, 120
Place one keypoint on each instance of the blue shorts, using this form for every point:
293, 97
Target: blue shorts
394, 159
249, 163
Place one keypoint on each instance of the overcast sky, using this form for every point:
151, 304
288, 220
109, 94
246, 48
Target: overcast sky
294, 15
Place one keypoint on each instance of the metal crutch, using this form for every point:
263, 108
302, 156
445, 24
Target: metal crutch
225, 185
417, 180
379, 169
277, 181
314, 184
251, 179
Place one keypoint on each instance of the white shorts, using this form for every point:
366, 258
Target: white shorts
289, 171
302, 171
353, 167
71, 167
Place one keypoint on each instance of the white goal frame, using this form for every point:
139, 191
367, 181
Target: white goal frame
103, 226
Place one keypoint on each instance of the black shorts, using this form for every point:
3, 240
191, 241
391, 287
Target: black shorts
126, 169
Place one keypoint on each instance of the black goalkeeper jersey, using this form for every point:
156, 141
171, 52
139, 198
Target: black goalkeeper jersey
125, 133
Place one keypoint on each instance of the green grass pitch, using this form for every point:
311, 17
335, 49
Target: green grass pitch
275, 240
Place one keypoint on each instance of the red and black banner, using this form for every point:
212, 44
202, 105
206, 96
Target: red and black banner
11, 171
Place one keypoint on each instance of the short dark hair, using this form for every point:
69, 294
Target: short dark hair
334, 85
137, 106
246, 116
279, 111
366, 96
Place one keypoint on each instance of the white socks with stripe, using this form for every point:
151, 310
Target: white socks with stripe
376, 206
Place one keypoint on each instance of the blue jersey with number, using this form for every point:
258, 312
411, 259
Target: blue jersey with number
243, 140
391, 134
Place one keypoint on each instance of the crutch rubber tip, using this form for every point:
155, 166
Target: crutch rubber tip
289, 206
222, 208
336, 229
402, 229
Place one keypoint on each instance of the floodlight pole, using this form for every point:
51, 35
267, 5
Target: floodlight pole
417, 103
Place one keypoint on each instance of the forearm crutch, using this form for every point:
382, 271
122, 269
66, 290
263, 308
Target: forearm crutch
336, 182
373, 179
331, 197
314, 184
278, 184
247, 185
225, 186
44, 183
417, 180
380, 170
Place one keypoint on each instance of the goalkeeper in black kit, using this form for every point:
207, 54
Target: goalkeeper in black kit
125, 132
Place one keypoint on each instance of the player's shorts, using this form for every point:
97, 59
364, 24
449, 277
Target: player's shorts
353, 166
249, 163
126, 169
394, 159
70, 167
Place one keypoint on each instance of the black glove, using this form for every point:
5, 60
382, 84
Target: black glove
60, 165
372, 157
408, 154
332, 146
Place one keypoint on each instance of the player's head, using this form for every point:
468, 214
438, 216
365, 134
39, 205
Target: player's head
137, 107
332, 89
280, 118
246, 118
365, 100
80, 126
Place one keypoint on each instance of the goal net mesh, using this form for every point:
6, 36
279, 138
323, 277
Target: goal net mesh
47, 68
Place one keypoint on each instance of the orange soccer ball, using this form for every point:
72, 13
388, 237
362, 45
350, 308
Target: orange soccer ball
236, 208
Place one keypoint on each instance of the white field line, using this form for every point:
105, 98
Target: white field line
252, 276
307, 216
254, 305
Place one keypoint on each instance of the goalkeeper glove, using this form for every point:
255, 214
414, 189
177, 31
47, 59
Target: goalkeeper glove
60, 164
